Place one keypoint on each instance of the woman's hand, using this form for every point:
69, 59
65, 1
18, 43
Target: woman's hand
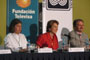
23, 50
37, 46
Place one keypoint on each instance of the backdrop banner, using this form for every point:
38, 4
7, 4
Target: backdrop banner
27, 12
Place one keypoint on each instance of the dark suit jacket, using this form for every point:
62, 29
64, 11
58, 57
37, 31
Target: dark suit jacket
75, 40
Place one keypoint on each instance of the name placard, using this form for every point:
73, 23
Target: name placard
5, 51
76, 49
45, 50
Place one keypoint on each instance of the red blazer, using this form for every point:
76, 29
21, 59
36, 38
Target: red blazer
44, 40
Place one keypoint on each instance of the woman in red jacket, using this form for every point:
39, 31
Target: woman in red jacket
49, 39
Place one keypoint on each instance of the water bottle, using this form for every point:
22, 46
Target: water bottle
63, 43
87, 43
28, 45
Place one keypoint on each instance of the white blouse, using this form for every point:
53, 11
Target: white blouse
15, 41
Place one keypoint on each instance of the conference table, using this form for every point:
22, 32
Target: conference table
47, 56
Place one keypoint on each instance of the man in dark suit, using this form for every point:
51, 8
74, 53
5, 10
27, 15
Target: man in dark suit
77, 37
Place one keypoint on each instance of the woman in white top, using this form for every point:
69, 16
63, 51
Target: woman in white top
15, 40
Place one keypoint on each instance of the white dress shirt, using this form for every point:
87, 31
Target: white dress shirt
15, 42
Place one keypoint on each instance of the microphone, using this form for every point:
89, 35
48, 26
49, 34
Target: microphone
67, 35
